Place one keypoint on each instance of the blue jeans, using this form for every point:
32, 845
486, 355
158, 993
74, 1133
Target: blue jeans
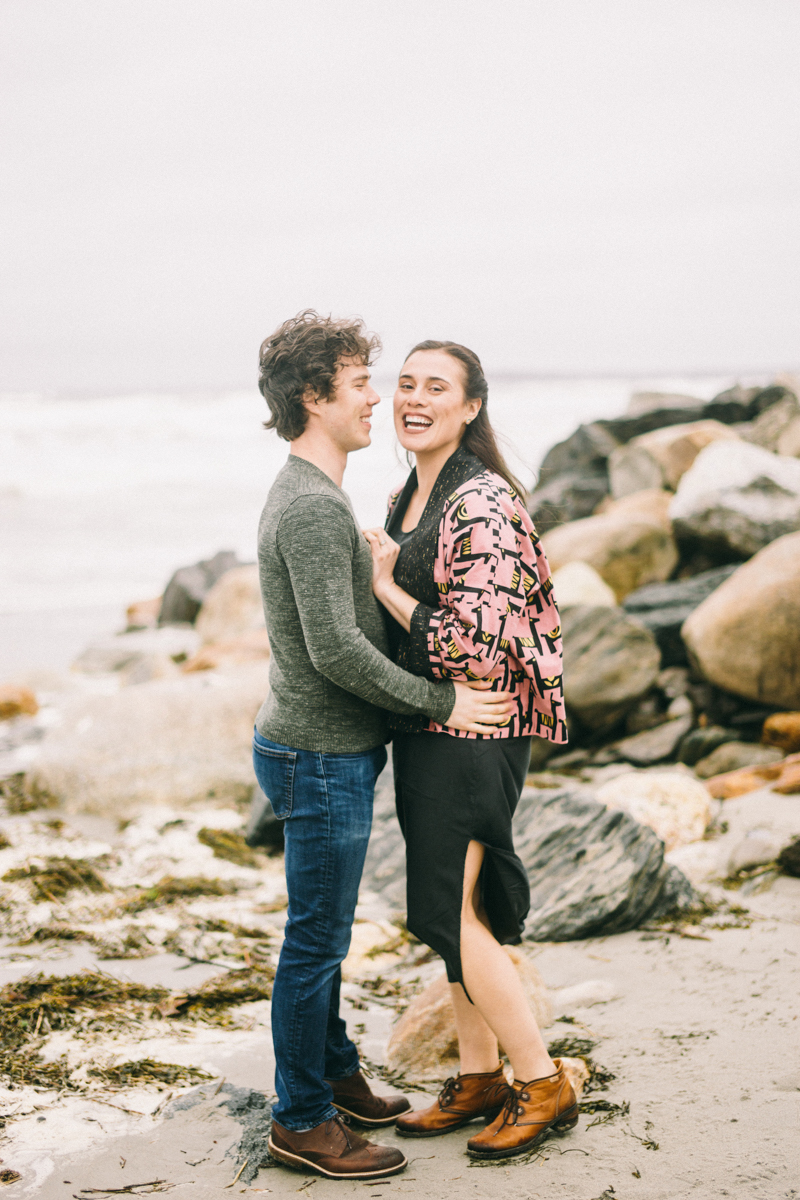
326, 803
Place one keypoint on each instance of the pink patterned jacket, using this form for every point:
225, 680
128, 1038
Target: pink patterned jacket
495, 617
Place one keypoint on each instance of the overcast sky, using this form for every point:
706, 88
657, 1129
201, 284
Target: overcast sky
568, 186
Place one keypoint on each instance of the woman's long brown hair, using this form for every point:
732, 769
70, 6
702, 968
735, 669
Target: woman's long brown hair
479, 437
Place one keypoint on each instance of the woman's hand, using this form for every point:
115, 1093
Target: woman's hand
478, 710
384, 556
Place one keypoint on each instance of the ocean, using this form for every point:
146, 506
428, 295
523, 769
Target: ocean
101, 498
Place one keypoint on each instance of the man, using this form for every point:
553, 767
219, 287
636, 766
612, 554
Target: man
320, 734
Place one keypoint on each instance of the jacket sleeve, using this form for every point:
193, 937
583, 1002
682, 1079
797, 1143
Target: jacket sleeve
488, 578
315, 538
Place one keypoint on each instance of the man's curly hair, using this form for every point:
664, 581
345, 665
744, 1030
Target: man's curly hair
304, 353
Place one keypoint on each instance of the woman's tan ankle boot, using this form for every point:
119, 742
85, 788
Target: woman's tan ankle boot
461, 1100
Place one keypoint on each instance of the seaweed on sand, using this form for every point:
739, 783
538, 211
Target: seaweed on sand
171, 889
55, 877
131, 942
148, 1070
230, 845
4, 842
681, 921
22, 796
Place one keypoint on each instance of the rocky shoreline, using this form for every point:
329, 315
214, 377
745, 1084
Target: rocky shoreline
125, 852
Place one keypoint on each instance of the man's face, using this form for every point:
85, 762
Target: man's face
345, 416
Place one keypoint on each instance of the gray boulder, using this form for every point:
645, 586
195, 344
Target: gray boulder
610, 661
593, 871
655, 745
189, 586
735, 499
732, 756
663, 607
568, 497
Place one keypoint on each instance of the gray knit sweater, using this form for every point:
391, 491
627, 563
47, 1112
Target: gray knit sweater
330, 677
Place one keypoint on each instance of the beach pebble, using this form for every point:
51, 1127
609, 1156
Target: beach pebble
782, 730
733, 756
16, 700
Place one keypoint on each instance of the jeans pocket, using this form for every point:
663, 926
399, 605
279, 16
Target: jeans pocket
274, 767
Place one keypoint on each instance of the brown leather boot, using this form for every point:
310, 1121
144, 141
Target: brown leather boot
460, 1101
334, 1150
353, 1097
531, 1109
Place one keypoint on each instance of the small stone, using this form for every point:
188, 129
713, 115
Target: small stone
789, 858
701, 742
143, 614
788, 782
654, 745
760, 846
738, 783
674, 806
782, 730
733, 756
16, 700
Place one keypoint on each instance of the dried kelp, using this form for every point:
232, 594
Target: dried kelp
53, 878
22, 795
148, 1070
231, 846
607, 1108
681, 921
4, 842
171, 889
577, 1047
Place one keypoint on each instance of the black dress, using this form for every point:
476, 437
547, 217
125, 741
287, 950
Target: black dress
450, 790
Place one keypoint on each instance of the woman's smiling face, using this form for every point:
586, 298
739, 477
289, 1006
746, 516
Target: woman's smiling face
430, 408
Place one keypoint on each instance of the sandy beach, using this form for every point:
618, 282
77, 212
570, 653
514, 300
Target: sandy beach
696, 1025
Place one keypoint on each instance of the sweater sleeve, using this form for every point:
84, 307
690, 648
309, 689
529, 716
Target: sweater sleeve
486, 586
315, 539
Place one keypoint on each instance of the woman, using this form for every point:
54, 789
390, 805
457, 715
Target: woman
462, 574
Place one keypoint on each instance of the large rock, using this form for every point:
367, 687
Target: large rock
626, 550
609, 663
233, 607
424, 1043
647, 402
660, 459
672, 804
745, 637
652, 504
175, 743
584, 452
189, 586
663, 607
701, 742
578, 583
593, 870
736, 499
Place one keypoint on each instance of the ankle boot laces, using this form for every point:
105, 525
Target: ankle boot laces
342, 1121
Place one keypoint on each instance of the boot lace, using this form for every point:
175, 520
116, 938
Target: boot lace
511, 1106
447, 1094
342, 1121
